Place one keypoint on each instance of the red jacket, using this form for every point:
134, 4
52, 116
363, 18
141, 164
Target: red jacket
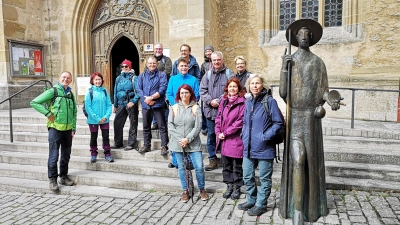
229, 121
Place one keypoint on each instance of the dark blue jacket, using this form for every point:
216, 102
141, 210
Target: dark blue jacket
150, 83
258, 128
194, 68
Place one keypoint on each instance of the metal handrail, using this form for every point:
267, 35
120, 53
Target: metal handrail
46, 82
353, 96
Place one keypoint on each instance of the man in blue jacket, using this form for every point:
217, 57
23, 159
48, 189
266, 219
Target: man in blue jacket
151, 87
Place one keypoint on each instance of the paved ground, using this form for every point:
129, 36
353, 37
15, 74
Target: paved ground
345, 207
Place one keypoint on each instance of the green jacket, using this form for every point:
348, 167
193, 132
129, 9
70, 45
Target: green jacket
64, 108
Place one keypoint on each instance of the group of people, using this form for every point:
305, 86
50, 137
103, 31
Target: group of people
197, 99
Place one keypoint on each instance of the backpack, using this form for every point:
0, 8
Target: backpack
280, 137
50, 102
227, 74
91, 98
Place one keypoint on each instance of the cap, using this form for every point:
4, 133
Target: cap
128, 63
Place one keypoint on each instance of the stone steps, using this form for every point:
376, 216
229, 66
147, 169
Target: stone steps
355, 159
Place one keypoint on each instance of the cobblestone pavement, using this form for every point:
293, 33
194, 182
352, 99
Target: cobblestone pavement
345, 207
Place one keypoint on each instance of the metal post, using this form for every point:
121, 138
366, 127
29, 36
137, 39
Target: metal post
353, 96
11, 123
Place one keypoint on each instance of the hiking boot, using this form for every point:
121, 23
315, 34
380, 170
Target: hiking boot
170, 165
236, 193
203, 195
212, 165
93, 159
116, 147
245, 206
185, 196
109, 159
164, 150
228, 191
130, 147
257, 211
155, 126
53, 184
64, 180
144, 149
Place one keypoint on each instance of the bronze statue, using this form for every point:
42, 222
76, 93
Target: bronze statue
304, 88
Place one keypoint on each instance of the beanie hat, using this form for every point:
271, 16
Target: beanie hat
208, 47
128, 63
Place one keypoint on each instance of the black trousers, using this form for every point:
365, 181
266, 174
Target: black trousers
158, 113
232, 172
119, 122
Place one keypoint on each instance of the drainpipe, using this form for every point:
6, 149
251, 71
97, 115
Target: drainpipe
398, 105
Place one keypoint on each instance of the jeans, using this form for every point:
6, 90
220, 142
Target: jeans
56, 139
166, 112
265, 166
203, 120
94, 132
197, 160
211, 139
147, 115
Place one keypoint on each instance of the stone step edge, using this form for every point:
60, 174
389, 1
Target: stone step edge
327, 131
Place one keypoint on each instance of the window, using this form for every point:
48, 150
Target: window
330, 15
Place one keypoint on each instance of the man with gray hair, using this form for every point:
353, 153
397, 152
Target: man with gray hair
211, 89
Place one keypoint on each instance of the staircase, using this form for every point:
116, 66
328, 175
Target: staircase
364, 159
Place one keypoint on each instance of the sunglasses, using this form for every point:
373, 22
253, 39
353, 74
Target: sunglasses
124, 66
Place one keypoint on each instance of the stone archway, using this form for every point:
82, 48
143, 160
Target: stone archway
114, 19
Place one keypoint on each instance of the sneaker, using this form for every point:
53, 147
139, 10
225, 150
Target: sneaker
164, 150
144, 149
93, 159
245, 206
170, 165
256, 211
116, 147
155, 126
53, 184
130, 147
64, 180
203, 195
185, 196
109, 159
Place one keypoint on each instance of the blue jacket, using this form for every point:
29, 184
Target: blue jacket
99, 107
194, 68
176, 81
258, 129
124, 90
150, 83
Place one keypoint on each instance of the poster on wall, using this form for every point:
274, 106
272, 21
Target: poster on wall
26, 59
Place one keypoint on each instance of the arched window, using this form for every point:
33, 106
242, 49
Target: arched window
330, 15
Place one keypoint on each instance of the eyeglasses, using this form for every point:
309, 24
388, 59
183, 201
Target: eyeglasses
124, 66
184, 50
185, 93
240, 63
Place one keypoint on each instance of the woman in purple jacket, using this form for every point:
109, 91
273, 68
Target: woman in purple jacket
228, 126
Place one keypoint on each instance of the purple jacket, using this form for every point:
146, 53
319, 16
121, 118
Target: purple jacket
229, 121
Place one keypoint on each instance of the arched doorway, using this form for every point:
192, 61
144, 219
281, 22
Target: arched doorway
123, 49
120, 28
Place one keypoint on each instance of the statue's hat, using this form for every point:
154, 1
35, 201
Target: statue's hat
312, 25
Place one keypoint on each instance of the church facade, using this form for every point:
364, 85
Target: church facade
41, 38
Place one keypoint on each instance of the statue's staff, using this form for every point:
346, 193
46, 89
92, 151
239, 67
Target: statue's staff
287, 138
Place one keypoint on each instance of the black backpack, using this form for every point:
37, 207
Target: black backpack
91, 98
280, 137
